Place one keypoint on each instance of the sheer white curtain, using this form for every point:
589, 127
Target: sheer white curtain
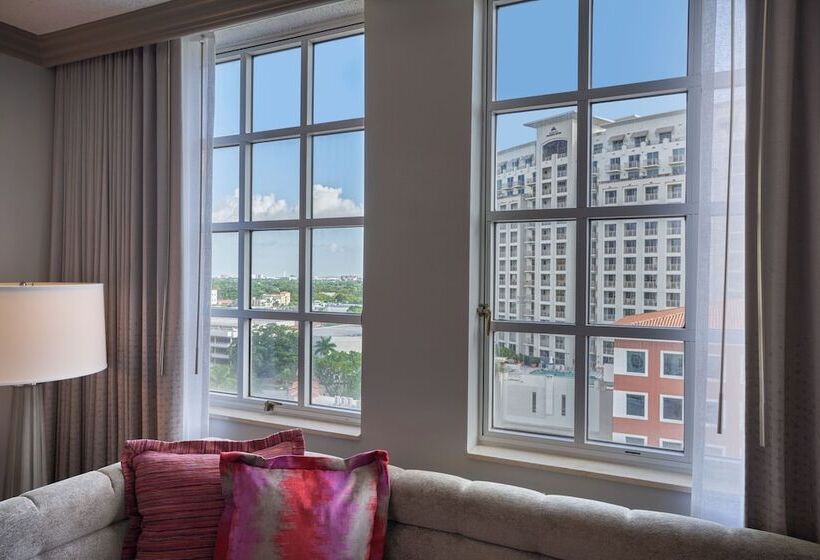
718, 464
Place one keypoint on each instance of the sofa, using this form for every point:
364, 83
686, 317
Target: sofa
433, 516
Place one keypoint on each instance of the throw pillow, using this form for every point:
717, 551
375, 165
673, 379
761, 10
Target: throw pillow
173, 495
303, 508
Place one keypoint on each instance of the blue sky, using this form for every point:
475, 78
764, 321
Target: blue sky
337, 165
633, 41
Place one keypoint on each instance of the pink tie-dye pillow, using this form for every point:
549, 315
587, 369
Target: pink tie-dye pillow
303, 508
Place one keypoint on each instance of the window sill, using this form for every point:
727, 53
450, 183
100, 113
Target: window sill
282, 421
628, 474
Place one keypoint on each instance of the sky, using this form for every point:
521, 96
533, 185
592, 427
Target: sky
632, 41
337, 165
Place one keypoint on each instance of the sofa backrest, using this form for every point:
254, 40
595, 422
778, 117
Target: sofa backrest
432, 516
530, 524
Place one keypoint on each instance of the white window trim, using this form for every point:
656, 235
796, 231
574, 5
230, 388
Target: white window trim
661, 441
579, 446
632, 416
663, 358
645, 363
660, 409
285, 413
620, 437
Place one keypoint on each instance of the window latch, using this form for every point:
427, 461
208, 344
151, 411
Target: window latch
486, 313
271, 405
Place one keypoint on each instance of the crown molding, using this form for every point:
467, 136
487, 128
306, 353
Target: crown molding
19, 43
153, 24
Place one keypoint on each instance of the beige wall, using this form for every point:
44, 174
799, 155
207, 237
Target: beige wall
420, 264
26, 108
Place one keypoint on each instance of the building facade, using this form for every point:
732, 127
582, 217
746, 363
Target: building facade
636, 266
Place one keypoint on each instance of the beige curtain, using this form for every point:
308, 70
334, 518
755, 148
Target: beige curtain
783, 249
130, 201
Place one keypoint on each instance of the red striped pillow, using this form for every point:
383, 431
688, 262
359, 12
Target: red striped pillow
173, 494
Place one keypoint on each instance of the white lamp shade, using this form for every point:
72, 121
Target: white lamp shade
50, 331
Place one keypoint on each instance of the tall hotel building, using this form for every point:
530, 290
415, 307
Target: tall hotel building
636, 265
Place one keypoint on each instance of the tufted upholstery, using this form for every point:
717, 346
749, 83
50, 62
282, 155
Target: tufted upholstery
433, 517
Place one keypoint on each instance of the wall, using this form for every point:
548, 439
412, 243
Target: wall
421, 288
26, 108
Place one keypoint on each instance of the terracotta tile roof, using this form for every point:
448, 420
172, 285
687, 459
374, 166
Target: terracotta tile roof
673, 317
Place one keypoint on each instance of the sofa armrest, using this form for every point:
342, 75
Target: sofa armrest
56, 514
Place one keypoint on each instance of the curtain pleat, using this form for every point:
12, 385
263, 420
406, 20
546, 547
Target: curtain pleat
117, 200
783, 168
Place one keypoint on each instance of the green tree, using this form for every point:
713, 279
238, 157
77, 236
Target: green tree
324, 345
339, 373
274, 353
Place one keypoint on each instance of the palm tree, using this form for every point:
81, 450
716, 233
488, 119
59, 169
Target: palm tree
324, 346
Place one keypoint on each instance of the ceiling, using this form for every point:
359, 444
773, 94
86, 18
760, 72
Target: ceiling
283, 24
45, 16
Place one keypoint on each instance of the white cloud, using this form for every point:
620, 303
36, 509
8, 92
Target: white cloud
328, 201
227, 209
268, 207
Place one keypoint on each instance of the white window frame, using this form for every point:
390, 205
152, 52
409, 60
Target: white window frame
644, 373
626, 414
620, 437
660, 409
662, 441
304, 224
664, 353
580, 445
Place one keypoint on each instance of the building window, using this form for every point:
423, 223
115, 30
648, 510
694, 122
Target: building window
603, 134
671, 408
672, 364
629, 405
674, 191
288, 224
635, 362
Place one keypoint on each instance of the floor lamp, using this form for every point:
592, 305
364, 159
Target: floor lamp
48, 332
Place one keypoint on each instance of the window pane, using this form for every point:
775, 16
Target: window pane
638, 40
338, 175
226, 98
224, 269
223, 354
274, 359
275, 180
535, 271
639, 151
628, 390
336, 351
638, 272
535, 159
531, 60
534, 383
226, 185
337, 270
276, 86
275, 270
338, 79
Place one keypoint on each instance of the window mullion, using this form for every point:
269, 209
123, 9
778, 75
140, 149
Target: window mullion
581, 226
304, 233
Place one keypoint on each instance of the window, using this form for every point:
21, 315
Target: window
606, 134
629, 405
672, 364
671, 409
288, 216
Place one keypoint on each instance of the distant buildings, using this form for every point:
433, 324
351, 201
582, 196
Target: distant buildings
268, 301
635, 266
